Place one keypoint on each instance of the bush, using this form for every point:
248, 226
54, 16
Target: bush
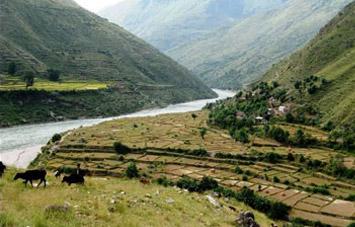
53, 75
279, 134
272, 157
164, 181
121, 148
29, 79
276, 179
238, 170
56, 137
242, 136
207, 183
132, 171
188, 183
203, 132
323, 189
11, 70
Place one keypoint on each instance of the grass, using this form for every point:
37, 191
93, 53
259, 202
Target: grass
14, 83
112, 202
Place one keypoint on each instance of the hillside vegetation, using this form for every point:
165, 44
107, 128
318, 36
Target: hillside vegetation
243, 52
167, 24
330, 57
83, 48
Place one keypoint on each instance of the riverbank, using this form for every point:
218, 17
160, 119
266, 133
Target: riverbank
21, 144
32, 106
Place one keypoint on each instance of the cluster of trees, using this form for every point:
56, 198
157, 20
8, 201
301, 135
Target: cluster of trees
310, 84
300, 138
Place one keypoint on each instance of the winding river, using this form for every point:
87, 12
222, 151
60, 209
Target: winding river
20, 145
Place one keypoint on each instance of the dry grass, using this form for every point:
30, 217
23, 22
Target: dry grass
135, 205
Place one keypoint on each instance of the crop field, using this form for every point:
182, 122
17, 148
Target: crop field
14, 83
155, 142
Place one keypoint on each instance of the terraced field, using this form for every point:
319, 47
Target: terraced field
158, 142
8, 83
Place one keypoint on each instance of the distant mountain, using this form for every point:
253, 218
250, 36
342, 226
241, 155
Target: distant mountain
331, 57
241, 53
38, 35
170, 23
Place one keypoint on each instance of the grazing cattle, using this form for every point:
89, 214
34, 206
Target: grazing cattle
31, 175
58, 173
73, 179
2, 169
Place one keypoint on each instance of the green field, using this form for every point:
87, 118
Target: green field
15, 83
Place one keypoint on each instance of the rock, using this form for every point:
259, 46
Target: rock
213, 201
247, 219
113, 201
170, 201
148, 196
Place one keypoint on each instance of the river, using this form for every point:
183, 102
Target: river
21, 144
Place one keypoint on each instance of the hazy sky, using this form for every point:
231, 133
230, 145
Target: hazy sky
96, 5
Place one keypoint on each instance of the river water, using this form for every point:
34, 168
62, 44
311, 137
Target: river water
21, 144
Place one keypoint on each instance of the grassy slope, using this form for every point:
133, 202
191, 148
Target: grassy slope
83, 46
90, 205
330, 55
243, 52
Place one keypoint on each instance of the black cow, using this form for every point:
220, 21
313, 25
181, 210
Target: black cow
31, 175
73, 179
2, 169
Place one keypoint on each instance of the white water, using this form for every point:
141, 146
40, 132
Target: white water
20, 145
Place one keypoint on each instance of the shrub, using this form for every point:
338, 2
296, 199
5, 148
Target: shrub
272, 157
238, 170
11, 70
132, 171
121, 148
279, 134
276, 179
290, 157
53, 75
56, 137
199, 152
203, 132
188, 183
323, 189
29, 79
242, 136
164, 181
207, 183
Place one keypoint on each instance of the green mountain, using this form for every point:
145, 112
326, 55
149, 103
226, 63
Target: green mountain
167, 24
241, 53
330, 56
38, 35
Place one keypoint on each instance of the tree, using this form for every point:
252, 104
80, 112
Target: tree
11, 70
53, 75
56, 137
29, 79
275, 84
121, 148
242, 136
298, 84
203, 132
132, 171
300, 138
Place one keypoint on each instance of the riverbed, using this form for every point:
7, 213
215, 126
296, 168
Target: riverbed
21, 144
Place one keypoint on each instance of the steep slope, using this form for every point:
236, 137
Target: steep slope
58, 34
38, 35
330, 56
241, 53
167, 24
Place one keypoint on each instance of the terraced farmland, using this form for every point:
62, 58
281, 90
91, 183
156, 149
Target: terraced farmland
165, 152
